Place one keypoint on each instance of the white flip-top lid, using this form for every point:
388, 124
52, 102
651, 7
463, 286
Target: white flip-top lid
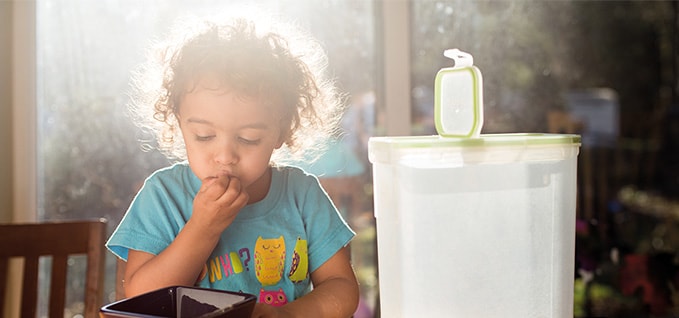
458, 92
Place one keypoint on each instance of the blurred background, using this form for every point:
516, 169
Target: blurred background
604, 69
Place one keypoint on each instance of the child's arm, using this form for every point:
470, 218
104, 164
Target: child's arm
215, 206
335, 293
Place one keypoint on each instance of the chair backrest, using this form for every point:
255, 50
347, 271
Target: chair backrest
59, 240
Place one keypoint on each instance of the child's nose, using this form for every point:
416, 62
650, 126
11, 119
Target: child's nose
226, 154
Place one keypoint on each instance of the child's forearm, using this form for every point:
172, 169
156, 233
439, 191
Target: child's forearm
336, 297
179, 264
335, 293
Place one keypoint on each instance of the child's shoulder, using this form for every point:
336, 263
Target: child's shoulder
178, 173
178, 168
292, 172
294, 178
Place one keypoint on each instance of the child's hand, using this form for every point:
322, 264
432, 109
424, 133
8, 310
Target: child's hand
218, 202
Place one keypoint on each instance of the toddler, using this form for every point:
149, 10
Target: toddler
231, 100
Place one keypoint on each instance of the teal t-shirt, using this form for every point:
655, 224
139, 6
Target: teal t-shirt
270, 248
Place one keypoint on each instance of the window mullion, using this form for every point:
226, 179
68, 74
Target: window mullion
24, 114
395, 31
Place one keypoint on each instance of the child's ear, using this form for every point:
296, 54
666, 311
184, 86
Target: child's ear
282, 137
280, 143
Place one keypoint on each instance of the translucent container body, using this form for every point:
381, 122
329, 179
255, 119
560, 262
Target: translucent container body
481, 227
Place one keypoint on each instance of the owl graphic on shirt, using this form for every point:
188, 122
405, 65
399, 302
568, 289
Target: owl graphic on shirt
269, 260
273, 297
299, 269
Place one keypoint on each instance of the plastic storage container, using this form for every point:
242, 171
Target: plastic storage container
475, 227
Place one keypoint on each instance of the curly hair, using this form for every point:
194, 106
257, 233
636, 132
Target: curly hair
277, 69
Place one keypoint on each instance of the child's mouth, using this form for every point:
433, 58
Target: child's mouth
224, 175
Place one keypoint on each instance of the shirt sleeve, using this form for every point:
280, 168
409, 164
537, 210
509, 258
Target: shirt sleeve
150, 224
326, 230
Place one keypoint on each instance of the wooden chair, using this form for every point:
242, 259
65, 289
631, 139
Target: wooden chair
59, 240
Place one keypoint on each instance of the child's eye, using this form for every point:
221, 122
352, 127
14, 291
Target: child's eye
249, 141
204, 138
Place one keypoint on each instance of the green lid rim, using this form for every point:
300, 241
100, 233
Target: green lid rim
511, 139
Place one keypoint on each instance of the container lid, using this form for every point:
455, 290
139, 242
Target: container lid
458, 92
484, 140
388, 149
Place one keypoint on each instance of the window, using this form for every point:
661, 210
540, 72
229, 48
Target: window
90, 160
535, 56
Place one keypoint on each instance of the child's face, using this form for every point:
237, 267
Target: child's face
228, 135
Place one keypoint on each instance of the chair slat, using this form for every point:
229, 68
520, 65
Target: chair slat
58, 275
29, 291
4, 267
94, 283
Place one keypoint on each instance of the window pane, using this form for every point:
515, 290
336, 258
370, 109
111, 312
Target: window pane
90, 160
532, 53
